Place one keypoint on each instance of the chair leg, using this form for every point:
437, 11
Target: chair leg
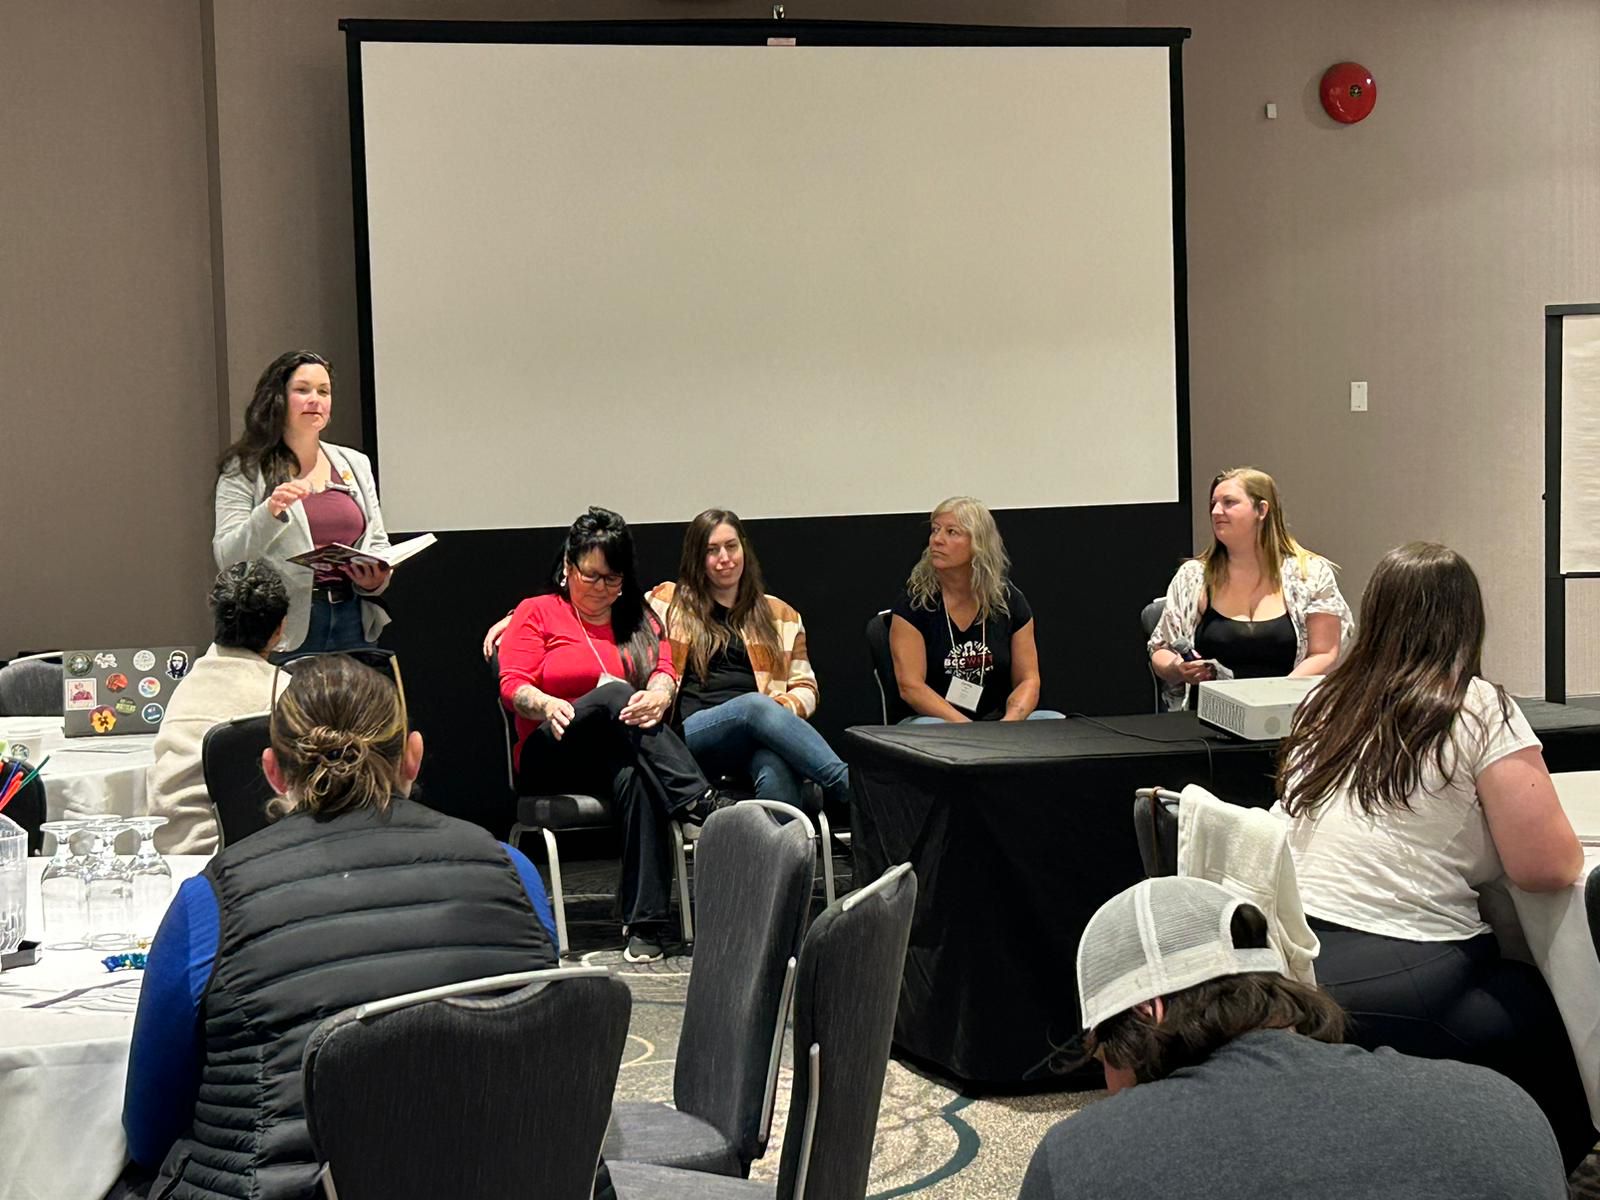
681, 866
825, 843
557, 898
514, 838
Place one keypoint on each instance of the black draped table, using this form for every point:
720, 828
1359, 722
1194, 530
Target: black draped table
1017, 833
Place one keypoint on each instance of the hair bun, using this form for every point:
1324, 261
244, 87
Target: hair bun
338, 750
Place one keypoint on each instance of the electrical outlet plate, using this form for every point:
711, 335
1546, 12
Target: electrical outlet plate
1358, 397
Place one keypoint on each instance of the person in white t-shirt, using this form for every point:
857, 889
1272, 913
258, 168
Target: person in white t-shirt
1410, 781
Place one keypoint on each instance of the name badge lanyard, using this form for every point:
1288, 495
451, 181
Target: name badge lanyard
605, 675
963, 693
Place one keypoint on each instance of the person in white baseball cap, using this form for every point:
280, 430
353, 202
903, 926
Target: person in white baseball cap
1229, 1078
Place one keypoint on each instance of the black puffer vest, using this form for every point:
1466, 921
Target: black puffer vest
318, 916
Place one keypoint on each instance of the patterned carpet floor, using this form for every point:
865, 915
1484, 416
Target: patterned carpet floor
932, 1142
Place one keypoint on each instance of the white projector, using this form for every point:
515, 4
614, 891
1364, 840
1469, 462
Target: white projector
1258, 710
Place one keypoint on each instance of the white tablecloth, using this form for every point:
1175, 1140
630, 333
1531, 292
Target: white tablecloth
87, 776
65, 1027
1556, 928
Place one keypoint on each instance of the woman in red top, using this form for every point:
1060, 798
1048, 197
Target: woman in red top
589, 676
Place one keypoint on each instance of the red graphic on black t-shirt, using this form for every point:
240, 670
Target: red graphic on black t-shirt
969, 660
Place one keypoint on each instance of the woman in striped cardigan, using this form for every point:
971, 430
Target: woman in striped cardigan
747, 690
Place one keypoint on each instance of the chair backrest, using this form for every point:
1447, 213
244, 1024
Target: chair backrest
845, 1001
31, 686
1591, 901
507, 723
1155, 824
892, 706
447, 1093
752, 901
27, 809
230, 760
1151, 616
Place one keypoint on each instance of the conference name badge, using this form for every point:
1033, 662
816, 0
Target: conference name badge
963, 693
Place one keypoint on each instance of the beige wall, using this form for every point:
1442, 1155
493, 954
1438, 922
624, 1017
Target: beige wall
106, 355
1415, 251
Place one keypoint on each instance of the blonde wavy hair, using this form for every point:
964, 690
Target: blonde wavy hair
1274, 542
991, 566
338, 732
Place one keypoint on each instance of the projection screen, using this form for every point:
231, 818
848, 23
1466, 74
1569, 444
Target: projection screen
791, 280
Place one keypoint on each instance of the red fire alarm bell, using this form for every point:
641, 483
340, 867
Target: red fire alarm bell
1348, 92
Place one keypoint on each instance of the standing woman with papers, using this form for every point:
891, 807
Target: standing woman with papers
283, 491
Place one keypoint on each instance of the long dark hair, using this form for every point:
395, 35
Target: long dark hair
261, 451
693, 603
636, 628
1387, 709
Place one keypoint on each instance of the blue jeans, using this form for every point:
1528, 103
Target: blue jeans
754, 734
1038, 714
334, 626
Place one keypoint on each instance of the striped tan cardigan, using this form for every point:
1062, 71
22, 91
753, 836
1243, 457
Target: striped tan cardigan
788, 679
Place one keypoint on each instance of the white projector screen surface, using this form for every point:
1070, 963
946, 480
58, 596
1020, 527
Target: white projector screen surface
789, 281
1580, 445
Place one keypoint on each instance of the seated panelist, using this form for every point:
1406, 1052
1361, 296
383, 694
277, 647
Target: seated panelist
747, 690
962, 633
231, 679
282, 490
357, 893
1255, 600
588, 674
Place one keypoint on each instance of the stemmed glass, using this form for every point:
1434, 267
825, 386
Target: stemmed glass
61, 890
109, 887
150, 877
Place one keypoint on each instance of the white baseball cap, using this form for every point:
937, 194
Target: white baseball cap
1160, 937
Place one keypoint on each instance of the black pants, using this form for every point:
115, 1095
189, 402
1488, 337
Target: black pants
648, 772
1462, 1001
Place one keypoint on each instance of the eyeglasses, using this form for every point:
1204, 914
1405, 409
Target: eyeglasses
610, 582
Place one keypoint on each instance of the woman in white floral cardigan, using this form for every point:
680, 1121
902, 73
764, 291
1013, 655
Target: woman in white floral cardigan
1255, 600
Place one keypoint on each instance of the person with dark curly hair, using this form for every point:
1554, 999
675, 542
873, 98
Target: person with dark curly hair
231, 679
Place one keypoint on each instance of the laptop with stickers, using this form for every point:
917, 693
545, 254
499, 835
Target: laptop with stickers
109, 692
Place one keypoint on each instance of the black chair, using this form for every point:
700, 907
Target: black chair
1155, 824
845, 1001
1591, 902
27, 808
1148, 620
567, 812
753, 893
31, 686
230, 761
889, 700
451, 1092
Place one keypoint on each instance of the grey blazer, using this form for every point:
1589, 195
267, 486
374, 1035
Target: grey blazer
247, 529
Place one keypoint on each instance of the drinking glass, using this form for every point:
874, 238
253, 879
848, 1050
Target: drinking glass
109, 888
61, 890
150, 877
13, 883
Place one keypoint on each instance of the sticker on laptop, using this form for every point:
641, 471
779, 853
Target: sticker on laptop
143, 660
105, 661
80, 694
117, 682
102, 720
125, 706
177, 665
78, 664
149, 686
152, 714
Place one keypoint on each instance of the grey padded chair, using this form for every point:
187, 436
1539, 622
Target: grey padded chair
1148, 620
452, 1092
753, 892
892, 707
1155, 824
845, 1001
567, 812
1591, 903
31, 686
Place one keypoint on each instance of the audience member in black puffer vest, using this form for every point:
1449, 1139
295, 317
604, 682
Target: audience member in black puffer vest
356, 894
